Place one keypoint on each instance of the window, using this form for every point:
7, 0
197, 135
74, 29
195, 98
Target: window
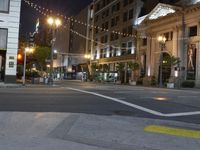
125, 3
130, 1
130, 29
118, 6
125, 16
113, 8
114, 21
104, 52
96, 42
4, 5
124, 31
3, 39
106, 39
107, 12
111, 51
193, 31
130, 15
97, 30
111, 36
98, 7
115, 52
123, 49
116, 36
101, 53
144, 42
102, 39
96, 18
103, 15
168, 36
129, 48
106, 25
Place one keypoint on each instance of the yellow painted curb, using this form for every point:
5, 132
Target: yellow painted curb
173, 131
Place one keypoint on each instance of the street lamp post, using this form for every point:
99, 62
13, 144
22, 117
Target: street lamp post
27, 49
87, 57
54, 23
161, 40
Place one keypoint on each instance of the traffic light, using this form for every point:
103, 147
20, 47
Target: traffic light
20, 58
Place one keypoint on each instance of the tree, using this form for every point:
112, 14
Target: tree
105, 68
134, 67
171, 62
40, 55
120, 69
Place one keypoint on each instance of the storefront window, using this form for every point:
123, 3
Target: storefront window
4, 5
3, 39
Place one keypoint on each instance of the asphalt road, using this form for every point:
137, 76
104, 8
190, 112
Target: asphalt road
62, 99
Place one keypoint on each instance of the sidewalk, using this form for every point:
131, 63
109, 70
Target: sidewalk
3, 85
61, 131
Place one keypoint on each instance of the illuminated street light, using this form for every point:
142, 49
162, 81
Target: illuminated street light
55, 51
26, 50
50, 21
87, 56
58, 22
54, 24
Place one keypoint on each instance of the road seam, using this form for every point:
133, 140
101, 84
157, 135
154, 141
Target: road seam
147, 110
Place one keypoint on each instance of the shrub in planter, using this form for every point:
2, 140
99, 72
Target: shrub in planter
153, 81
139, 81
188, 84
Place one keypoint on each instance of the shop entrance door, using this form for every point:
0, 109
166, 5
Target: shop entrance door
2, 66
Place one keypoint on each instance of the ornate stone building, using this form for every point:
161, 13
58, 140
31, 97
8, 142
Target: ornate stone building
171, 30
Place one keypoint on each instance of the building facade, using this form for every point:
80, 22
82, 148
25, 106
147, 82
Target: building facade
9, 33
113, 35
179, 26
72, 44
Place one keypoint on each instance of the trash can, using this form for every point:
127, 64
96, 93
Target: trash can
45, 79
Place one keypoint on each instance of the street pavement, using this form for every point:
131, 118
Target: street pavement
78, 115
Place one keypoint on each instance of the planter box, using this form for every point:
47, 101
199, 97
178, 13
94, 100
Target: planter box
132, 83
170, 85
118, 82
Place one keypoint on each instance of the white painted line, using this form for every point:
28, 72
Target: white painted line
187, 96
137, 106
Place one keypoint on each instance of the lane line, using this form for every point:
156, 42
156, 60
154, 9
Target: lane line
137, 106
173, 131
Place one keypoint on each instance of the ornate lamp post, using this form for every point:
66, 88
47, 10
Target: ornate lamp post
161, 40
54, 24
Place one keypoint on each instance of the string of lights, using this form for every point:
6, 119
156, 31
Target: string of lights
46, 12
81, 35
99, 43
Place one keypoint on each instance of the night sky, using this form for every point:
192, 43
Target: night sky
66, 7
